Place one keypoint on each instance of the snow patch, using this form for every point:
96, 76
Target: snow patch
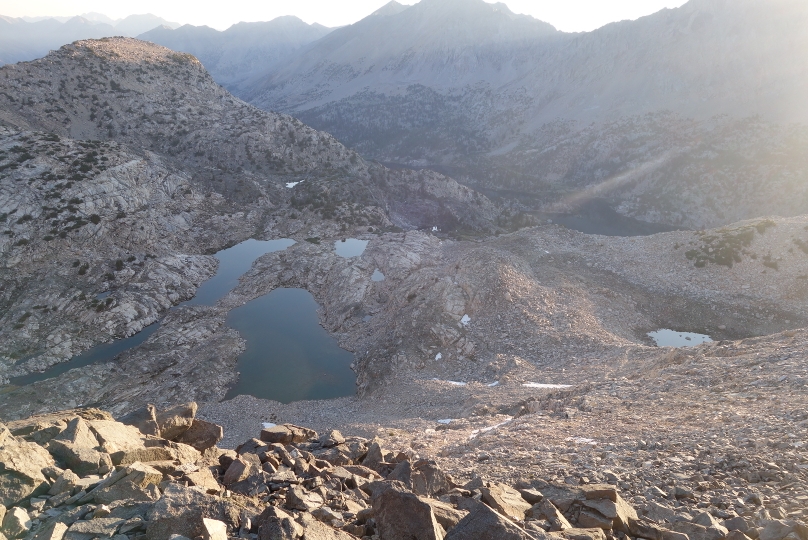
495, 383
465, 320
267, 425
581, 440
490, 428
445, 421
546, 386
438, 356
290, 185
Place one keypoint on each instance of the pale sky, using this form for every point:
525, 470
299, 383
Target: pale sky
566, 15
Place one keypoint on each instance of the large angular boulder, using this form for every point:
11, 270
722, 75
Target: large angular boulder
174, 422
144, 419
21, 475
55, 530
401, 514
505, 500
181, 510
78, 448
202, 435
138, 483
287, 434
615, 509
94, 528
275, 524
16, 523
484, 522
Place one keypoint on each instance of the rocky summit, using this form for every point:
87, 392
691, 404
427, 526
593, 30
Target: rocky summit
158, 474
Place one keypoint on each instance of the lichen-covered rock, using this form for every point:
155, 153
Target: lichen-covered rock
21, 475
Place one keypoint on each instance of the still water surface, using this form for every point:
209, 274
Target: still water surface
672, 338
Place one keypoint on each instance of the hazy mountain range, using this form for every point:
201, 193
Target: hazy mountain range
243, 51
692, 116
27, 38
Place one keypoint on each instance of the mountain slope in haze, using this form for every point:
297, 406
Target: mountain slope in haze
243, 50
122, 164
21, 40
436, 85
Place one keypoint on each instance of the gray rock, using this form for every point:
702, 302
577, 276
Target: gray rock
287, 434
202, 435
484, 522
547, 510
275, 524
138, 484
67, 481
297, 498
21, 475
505, 500
175, 421
775, 529
181, 510
213, 529
54, 530
697, 532
144, 419
332, 438
16, 522
401, 514
94, 528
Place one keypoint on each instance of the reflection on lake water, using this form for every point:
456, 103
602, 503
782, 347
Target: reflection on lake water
350, 247
672, 338
289, 356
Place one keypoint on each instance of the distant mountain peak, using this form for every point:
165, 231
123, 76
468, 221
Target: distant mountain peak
390, 8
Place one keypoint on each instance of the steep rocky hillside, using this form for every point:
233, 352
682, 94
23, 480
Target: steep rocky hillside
541, 113
126, 166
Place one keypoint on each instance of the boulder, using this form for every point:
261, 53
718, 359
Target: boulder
775, 529
115, 438
505, 500
582, 534
138, 483
707, 519
175, 421
446, 514
547, 510
374, 458
694, 531
331, 439
297, 498
16, 522
202, 435
428, 479
94, 528
617, 510
21, 474
484, 522
401, 514
77, 447
275, 524
402, 473
314, 530
66, 482
144, 419
213, 529
181, 510
287, 434
55, 530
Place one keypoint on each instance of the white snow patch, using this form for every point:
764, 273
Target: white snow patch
445, 421
581, 440
290, 185
495, 383
490, 428
434, 229
465, 320
438, 356
267, 425
455, 383
547, 252
547, 386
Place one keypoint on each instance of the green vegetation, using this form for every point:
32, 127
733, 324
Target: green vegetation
728, 246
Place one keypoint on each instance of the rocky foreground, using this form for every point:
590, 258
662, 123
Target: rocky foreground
158, 475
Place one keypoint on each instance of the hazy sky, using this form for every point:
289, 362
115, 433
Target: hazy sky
567, 15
